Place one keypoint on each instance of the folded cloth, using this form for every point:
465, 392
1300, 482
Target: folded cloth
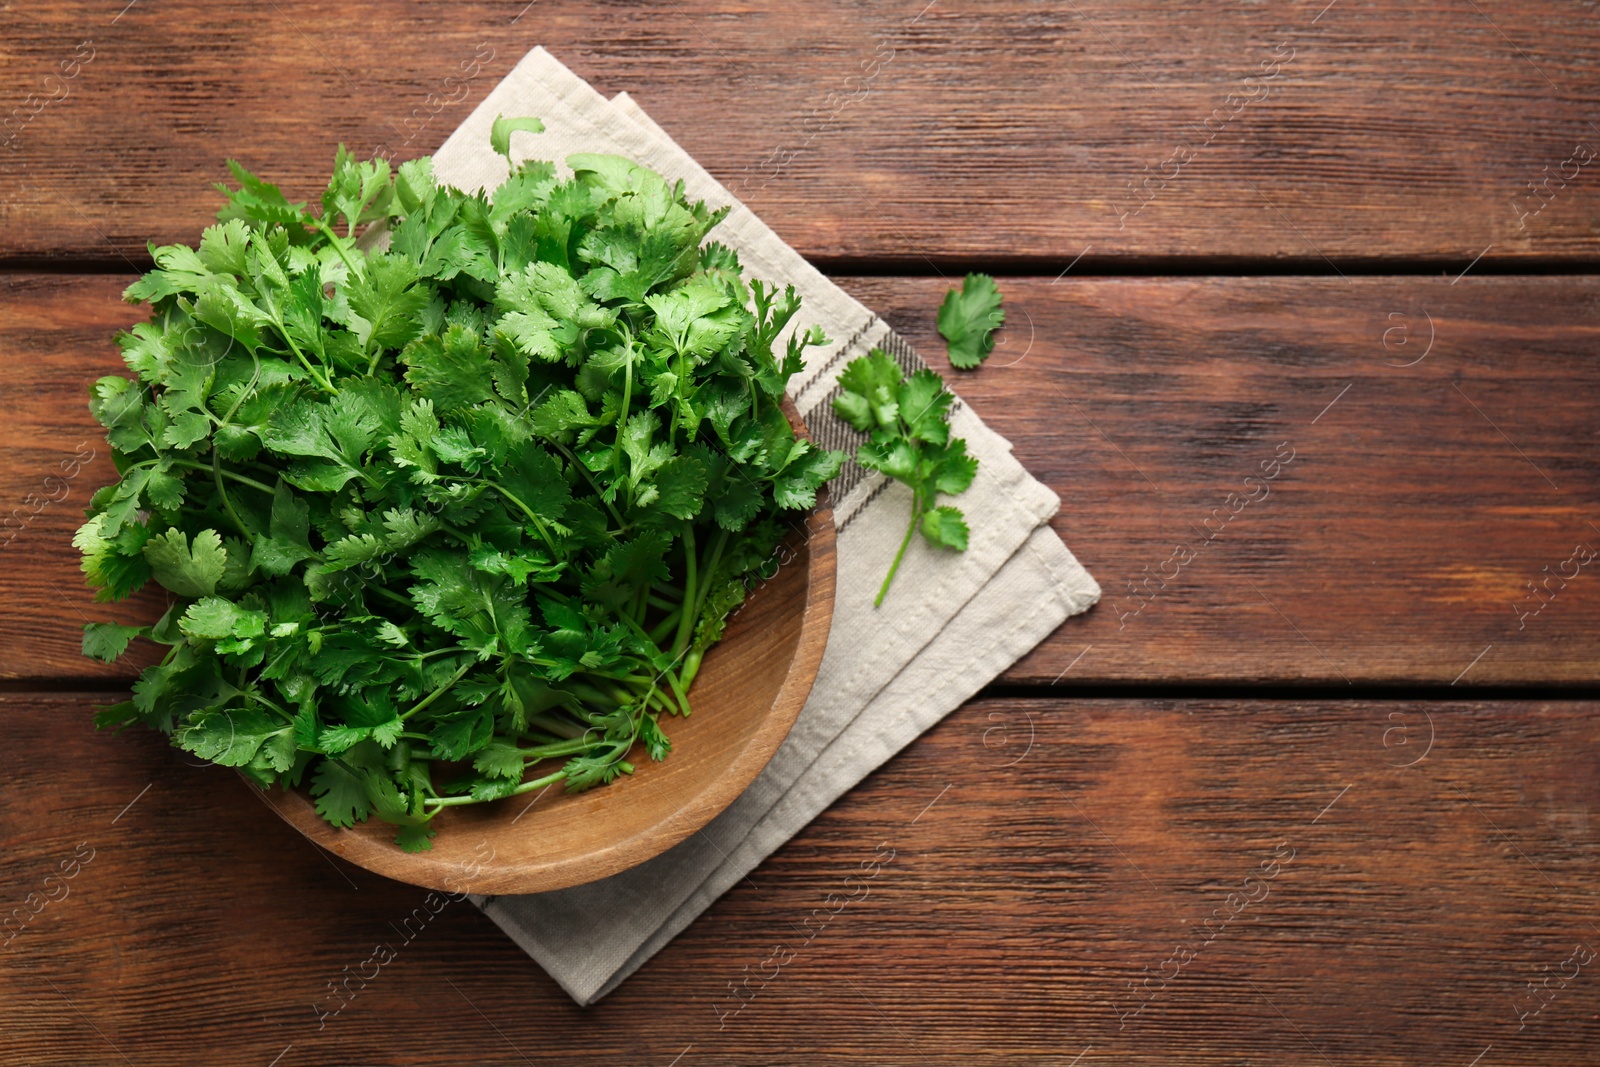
951, 622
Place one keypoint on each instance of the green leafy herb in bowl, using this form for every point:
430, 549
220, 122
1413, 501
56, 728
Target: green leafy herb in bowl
456, 520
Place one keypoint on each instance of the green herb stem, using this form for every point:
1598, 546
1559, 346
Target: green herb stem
690, 593
227, 504
398, 599
678, 689
205, 468
338, 246
254, 694
666, 626
911, 528
691, 668
709, 574
570, 747
538, 523
593, 695
439, 692
556, 726
539, 783
320, 378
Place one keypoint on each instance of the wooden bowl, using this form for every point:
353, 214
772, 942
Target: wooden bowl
749, 690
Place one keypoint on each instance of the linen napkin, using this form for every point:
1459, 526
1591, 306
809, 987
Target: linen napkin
951, 622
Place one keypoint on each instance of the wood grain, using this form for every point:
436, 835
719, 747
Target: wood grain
988, 895
1396, 547
1366, 130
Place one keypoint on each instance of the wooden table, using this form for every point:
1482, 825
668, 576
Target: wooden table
1326, 792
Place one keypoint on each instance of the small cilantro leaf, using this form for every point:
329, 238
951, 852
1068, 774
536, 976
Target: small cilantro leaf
216, 618
188, 570
340, 794
230, 738
796, 485
502, 129
945, 526
453, 371
105, 641
499, 760
968, 318
389, 299
286, 542
415, 837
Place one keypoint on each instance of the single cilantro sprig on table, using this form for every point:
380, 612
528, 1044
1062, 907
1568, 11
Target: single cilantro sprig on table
968, 318
907, 421
456, 520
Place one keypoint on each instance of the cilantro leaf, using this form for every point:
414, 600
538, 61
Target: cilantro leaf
808, 467
655, 741
113, 557
388, 297
499, 760
188, 570
534, 478
257, 201
680, 485
286, 541
502, 129
968, 318
564, 412
359, 191
945, 526
216, 618
415, 837
452, 371
118, 405
105, 641
340, 794
230, 738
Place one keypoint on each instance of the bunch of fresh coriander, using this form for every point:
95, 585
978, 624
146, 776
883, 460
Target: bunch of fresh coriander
456, 520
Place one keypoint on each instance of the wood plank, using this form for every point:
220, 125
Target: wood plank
1443, 448
972, 901
1397, 546
55, 341
1370, 128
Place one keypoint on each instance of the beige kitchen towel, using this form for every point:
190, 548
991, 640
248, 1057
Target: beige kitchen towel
951, 623
1041, 581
